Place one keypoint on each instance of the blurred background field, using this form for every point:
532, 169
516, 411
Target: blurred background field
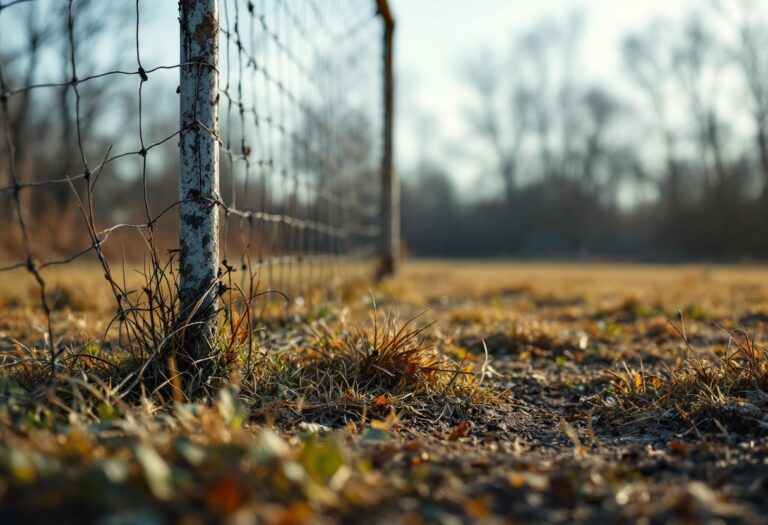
79, 292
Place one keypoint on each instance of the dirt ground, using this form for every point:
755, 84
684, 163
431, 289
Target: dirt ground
553, 393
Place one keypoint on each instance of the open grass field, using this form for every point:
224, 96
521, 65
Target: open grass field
454, 393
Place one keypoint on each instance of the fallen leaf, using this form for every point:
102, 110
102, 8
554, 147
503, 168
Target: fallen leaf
459, 431
380, 401
226, 495
479, 507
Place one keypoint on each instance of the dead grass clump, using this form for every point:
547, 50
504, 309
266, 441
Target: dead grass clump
536, 333
336, 374
523, 337
386, 360
146, 349
386, 357
727, 391
630, 309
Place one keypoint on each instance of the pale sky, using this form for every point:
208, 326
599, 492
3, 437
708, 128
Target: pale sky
434, 37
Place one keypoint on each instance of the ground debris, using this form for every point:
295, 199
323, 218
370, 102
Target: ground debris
539, 395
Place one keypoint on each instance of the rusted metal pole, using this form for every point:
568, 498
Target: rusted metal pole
390, 189
199, 172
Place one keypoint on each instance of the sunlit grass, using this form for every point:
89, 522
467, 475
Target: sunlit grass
729, 389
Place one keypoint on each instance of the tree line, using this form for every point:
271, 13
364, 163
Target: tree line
667, 162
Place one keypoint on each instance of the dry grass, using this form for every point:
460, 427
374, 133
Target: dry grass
385, 357
294, 358
487, 400
336, 373
701, 393
712, 288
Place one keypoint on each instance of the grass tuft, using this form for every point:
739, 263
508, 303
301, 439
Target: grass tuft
725, 391
386, 357
336, 373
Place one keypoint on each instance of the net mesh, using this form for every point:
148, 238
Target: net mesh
301, 114
89, 156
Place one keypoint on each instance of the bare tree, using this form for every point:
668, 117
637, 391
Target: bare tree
748, 52
650, 67
84, 25
500, 117
36, 32
696, 63
539, 119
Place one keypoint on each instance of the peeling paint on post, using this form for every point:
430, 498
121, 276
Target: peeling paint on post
199, 170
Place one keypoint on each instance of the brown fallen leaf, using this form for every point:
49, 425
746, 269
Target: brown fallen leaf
380, 401
679, 447
413, 445
459, 431
479, 507
226, 495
